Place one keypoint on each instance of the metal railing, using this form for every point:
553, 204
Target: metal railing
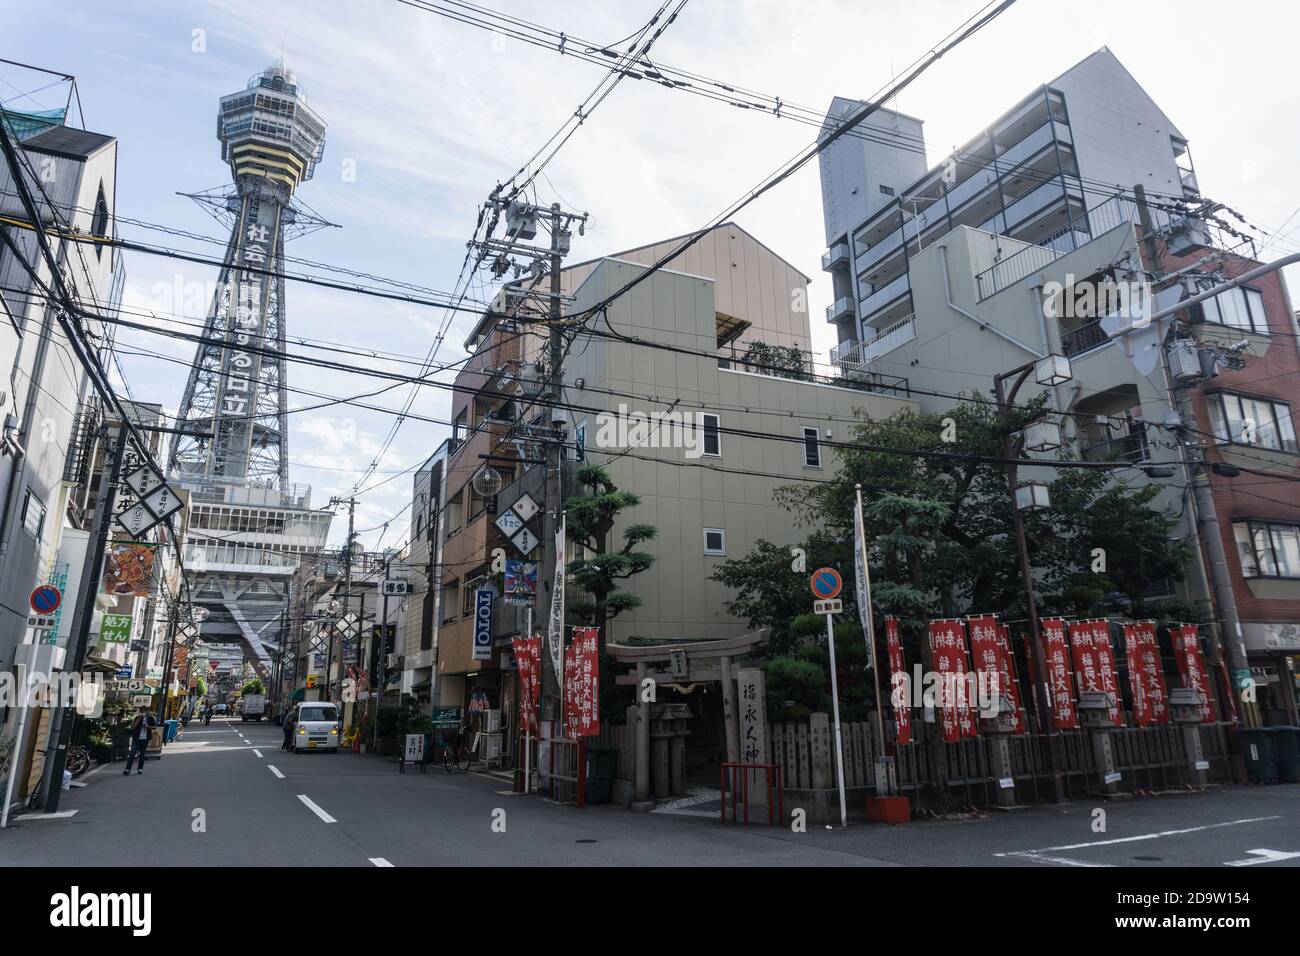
861, 354
1086, 337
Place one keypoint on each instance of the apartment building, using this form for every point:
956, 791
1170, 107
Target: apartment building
965, 276
705, 480
1036, 174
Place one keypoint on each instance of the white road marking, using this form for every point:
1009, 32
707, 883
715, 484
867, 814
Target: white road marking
1144, 836
61, 815
315, 809
1263, 856
275, 770
1059, 860
258, 752
379, 861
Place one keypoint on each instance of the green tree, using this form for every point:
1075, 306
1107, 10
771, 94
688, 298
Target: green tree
254, 687
783, 361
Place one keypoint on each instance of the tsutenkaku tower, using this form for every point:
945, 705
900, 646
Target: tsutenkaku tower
235, 399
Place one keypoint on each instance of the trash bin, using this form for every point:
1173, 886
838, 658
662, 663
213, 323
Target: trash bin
1286, 741
170, 729
602, 764
1260, 751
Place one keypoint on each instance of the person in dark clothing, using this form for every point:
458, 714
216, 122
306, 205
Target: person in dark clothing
288, 732
141, 728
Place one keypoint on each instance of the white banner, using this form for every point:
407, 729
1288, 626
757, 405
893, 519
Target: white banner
860, 573
555, 629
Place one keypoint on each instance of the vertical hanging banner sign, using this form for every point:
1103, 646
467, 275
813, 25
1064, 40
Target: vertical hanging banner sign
555, 626
528, 654
901, 696
1191, 666
948, 651
582, 684
984, 656
1107, 668
860, 580
1136, 686
1151, 671
1064, 716
1010, 680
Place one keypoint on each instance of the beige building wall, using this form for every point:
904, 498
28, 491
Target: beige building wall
682, 495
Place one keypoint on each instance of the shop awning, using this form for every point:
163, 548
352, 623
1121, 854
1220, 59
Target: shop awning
99, 665
298, 694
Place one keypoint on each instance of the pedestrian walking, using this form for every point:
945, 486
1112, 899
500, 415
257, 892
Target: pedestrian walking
141, 728
288, 732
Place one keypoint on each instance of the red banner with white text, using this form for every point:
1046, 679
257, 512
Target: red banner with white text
582, 684
900, 697
528, 657
1094, 663
1150, 672
1010, 679
1064, 716
954, 700
1191, 666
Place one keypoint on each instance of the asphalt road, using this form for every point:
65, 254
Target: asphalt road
226, 795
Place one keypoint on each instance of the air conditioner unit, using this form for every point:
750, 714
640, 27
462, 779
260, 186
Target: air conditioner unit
490, 747
491, 721
391, 661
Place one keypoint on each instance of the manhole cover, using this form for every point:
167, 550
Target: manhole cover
1149, 859
584, 841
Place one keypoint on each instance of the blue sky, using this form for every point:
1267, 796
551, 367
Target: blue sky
432, 113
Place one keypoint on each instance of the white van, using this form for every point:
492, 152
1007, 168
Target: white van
316, 726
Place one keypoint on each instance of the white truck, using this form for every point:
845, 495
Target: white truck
252, 707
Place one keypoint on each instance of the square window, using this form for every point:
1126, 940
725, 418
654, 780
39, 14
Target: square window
33, 515
715, 541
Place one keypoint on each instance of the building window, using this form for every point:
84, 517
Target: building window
887, 190
711, 426
1268, 549
580, 442
812, 451
1240, 308
419, 524
715, 541
1252, 421
33, 515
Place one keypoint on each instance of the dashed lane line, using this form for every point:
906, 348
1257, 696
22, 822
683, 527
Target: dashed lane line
275, 770
316, 809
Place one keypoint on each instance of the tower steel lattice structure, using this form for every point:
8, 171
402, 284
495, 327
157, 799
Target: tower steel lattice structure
235, 401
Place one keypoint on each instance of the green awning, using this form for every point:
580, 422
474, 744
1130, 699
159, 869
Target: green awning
298, 694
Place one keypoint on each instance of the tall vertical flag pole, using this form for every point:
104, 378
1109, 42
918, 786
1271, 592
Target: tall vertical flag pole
864, 607
835, 702
555, 630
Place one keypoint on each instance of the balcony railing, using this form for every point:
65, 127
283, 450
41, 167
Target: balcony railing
854, 356
1084, 338
1131, 448
842, 309
834, 256
886, 294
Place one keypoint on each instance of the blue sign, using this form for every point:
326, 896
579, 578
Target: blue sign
483, 623
826, 583
123, 672
46, 599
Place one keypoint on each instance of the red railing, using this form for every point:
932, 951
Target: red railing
739, 790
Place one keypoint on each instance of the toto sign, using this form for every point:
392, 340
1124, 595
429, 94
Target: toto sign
483, 624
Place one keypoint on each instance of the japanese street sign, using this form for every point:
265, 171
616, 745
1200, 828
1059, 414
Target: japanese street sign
443, 717
143, 480
835, 606
42, 622
395, 587
525, 507
162, 502
826, 583
347, 625
46, 599
115, 629
136, 520
123, 672
525, 541
509, 523
483, 624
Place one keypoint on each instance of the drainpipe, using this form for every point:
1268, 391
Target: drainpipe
947, 293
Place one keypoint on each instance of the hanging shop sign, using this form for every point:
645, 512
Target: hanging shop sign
520, 582
115, 629
128, 568
483, 624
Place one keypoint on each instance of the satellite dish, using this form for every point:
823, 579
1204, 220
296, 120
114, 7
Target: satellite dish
487, 482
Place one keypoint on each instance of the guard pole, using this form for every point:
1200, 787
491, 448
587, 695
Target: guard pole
835, 705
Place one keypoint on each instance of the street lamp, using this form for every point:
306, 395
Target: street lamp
1042, 435
1050, 370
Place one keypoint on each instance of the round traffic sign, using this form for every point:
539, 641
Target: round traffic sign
826, 583
46, 599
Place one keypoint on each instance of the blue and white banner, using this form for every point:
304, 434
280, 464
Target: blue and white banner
483, 623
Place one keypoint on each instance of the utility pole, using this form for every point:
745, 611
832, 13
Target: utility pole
65, 718
1191, 451
351, 502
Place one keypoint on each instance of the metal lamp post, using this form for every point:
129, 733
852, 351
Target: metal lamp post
1050, 371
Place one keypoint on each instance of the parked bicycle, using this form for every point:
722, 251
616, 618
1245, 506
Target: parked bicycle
78, 762
456, 754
